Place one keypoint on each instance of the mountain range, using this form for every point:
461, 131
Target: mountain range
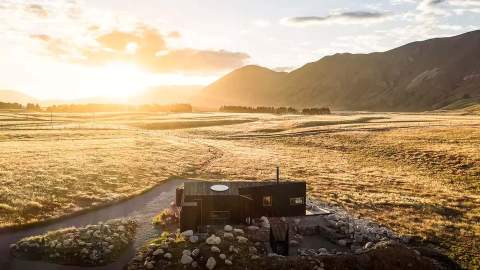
419, 76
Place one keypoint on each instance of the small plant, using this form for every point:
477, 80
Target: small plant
167, 217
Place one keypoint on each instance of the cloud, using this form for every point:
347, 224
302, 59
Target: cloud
37, 9
348, 17
146, 47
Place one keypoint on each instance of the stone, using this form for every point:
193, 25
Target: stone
158, 252
255, 257
294, 243
149, 265
228, 235
187, 234
167, 256
252, 250
213, 240
253, 228
242, 240
186, 252
194, 264
193, 239
222, 256
342, 242
228, 262
238, 231
186, 259
211, 263
215, 249
228, 228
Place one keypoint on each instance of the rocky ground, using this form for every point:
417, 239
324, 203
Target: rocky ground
87, 246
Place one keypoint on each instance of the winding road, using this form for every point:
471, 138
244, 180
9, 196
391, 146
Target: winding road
142, 207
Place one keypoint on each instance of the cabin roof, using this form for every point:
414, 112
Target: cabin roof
203, 188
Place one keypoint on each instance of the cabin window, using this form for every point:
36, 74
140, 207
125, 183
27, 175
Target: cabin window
296, 201
267, 200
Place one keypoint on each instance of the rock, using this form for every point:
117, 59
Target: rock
242, 240
187, 234
228, 228
211, 263
253, 228
238, 231
194, 264
215, 249
149, 265
294, 243
342, 242
255, 257
193, 239
252, 250
186, 252
213, 240
222, 256
186, 259
167, 256
228, 235
121, 228
158, 252
228, 262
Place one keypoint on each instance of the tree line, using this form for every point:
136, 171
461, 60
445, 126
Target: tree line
17, 106
79, 108
274, 110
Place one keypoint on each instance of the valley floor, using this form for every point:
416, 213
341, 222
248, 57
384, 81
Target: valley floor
418, 174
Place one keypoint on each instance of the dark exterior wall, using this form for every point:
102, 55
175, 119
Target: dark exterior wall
233, 209
281, 195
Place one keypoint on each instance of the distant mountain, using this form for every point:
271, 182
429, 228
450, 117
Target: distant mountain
12, 96
424, 75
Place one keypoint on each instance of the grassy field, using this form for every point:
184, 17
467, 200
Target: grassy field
416, 173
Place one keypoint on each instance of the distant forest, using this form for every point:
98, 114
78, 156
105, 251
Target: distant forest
78, 108
18, 106
274, 110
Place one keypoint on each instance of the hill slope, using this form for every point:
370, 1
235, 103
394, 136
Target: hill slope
16, 96
423, 75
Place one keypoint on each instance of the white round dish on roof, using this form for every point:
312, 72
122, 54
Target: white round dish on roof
219, 188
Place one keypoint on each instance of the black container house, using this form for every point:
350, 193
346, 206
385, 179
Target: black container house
234, 202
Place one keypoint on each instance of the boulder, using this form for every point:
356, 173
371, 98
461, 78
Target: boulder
193, 239
228, 228
228, 235
211, 263
213, 240
186, 259
242, 240
187, 234
158, 252
238, 231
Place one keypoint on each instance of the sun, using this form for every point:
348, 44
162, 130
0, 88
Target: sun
121, 80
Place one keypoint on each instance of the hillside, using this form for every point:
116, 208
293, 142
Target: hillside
424, 75
16, 96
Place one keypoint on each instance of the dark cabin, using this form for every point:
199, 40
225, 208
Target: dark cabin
234, 202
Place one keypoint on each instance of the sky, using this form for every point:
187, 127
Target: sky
52, 49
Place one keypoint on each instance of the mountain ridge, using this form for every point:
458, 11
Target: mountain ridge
418, 76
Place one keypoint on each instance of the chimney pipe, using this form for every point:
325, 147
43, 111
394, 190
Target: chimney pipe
278, 174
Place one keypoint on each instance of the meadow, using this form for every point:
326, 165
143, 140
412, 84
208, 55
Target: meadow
417, 173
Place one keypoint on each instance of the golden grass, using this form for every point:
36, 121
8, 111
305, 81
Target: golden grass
416, 173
